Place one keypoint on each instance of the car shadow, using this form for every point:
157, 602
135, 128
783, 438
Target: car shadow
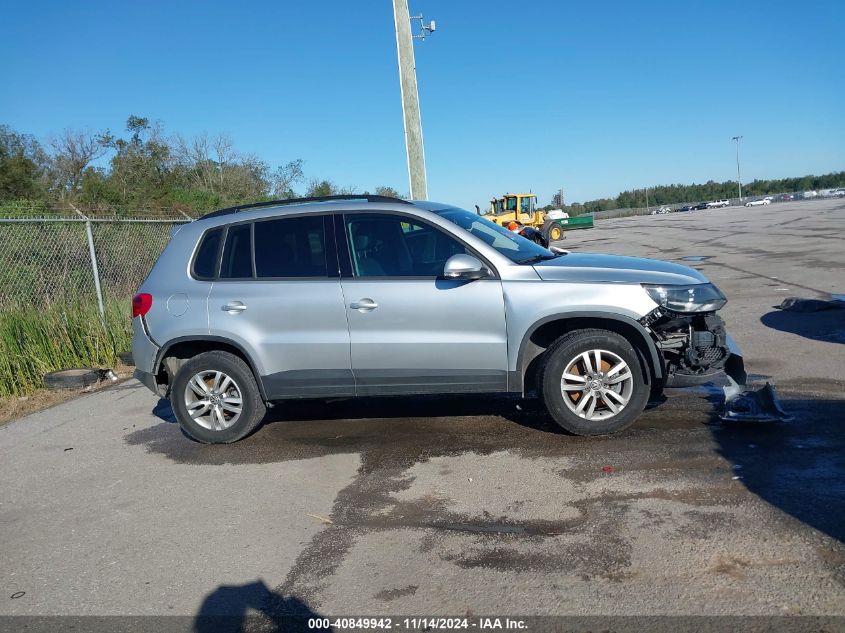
796, 466
526, 412
826, 325
236, 608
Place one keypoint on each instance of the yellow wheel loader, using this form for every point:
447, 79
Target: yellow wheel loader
522, 208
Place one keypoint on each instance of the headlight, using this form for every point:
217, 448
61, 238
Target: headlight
697, 298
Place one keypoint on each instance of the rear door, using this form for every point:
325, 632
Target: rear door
411, 331
278, 295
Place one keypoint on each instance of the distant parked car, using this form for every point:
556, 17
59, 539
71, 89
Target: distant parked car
758, 203
718, 203
661, 211
685, 208
700, 206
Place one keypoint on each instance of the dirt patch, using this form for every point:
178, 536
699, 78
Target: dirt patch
391, 594
12, 408
728, 564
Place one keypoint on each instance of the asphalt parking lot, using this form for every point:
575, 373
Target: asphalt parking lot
430, 506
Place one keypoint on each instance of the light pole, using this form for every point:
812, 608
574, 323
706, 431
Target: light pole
738, 177
410, 97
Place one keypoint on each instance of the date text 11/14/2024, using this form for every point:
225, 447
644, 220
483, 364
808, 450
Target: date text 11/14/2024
416, 623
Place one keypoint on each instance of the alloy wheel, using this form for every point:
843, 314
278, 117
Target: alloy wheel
213, 400
597, 384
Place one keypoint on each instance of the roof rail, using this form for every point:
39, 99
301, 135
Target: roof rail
278, 203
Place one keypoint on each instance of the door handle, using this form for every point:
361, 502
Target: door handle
234, 307
363, 305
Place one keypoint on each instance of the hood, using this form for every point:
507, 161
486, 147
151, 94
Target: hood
597, 268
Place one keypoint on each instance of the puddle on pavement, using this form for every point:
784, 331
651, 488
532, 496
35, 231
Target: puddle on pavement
403, 431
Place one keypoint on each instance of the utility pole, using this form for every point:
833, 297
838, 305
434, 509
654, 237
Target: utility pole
738, 178
646, 199
410, 100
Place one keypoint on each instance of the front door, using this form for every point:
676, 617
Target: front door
410, 330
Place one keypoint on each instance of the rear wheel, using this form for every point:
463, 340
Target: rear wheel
215, 398
555, 233
592, 383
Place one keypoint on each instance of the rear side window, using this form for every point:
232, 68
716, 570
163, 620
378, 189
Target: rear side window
237, 253
291, 247
205, 263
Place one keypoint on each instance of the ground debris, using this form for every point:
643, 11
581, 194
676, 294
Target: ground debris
761, 405
797, 304
320, 518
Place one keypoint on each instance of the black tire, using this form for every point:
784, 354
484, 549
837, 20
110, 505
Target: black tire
555, 233
566, 350
71, 378
253, 407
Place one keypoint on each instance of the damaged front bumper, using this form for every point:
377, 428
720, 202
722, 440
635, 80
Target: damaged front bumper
695, 348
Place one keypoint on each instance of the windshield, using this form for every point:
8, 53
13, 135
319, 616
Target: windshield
513, 246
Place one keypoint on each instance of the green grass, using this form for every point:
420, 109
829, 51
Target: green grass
36, 340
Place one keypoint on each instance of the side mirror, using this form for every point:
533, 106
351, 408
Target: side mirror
464, 267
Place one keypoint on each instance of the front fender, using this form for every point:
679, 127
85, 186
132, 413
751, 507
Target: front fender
634, 331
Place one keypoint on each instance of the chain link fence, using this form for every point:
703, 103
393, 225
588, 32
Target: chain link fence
61, 254
59, 259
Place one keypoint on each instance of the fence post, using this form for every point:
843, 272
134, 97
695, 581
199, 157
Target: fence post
93, 253
95, 270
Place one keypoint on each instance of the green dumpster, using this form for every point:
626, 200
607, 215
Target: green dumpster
578, 222
554, 229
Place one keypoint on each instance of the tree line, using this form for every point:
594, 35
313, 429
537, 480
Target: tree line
711, 190
145, 169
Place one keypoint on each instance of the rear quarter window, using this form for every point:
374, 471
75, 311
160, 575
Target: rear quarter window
205, 262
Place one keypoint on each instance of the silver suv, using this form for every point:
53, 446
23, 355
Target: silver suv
374, 296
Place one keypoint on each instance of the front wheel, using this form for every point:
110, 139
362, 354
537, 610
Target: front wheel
215, 398
592, 382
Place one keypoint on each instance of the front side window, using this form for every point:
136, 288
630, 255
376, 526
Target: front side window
397, 246
290, 247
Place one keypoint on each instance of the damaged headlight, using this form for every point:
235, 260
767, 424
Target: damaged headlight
686, 299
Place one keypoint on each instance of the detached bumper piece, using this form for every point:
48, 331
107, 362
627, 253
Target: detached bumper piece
751, 406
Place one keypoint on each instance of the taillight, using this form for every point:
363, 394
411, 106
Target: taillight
141, 304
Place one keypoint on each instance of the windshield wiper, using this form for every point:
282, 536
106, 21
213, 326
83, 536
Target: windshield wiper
538, 258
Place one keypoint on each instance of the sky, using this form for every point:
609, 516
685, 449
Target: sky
591, 97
